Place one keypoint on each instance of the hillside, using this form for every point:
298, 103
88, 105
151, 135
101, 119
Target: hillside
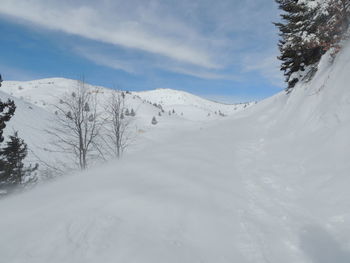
30, 121
37, 101
46, 92
192, 106
269, 184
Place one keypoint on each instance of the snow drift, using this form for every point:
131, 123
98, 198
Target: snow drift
269, 184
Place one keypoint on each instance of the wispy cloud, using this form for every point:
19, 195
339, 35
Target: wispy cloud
134, 64
203, 74
201, 38
104, 60
267, 65
96, 24
13, 73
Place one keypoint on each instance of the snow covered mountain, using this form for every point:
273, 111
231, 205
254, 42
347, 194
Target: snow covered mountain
192, 106
269, 184
37, 101
46, 92
30, 121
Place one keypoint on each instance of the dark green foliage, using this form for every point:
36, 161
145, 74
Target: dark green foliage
296, 51
86, 107
154, 120
309, 31
7, 110
12, 169
334, 24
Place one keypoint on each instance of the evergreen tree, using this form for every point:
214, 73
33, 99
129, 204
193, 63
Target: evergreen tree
333, 19
13, 172
86, 107
154, 120
309, 28
132, 113
7, 110
297, 45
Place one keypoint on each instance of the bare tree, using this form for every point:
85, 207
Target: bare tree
77, 124
118, 134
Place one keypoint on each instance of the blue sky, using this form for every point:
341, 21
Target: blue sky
224, 50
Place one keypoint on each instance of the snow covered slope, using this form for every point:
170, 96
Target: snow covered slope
46, 92
270, 184
190, 105
30, 121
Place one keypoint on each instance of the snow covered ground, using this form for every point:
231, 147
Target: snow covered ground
30, 121
269, 184
174, 110
189, 105
47, 92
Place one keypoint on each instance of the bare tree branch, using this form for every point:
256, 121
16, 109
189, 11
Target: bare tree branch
77, 124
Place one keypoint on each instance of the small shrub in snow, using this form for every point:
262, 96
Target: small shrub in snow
86, 107
154, 120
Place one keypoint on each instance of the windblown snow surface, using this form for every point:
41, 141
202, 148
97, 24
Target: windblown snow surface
269, 184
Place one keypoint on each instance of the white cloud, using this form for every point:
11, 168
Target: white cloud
11, 73
202, 38
96, 24
203, 74
108, 61
140, 66
267, 65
